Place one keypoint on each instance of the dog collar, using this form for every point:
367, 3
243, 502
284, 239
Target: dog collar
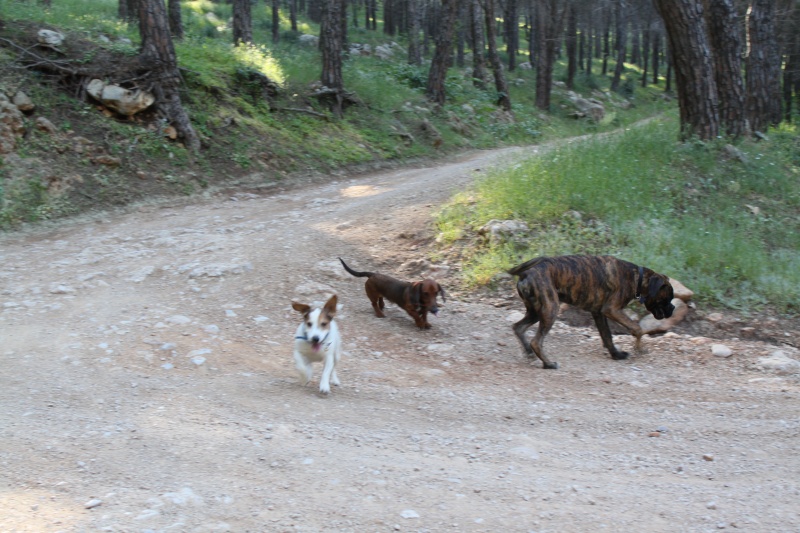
305, 337
639, 286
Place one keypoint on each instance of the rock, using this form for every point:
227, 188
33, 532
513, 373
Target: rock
409, 513
12, 126
591, 108
715, 317
650, 325
708, 457
720, 350
779, 363
502, 230
735, 153
679, 290
178, 319
108, 160
91, 504
50, 38
383, 51
123, 101
309, 40
23, 102
42, 124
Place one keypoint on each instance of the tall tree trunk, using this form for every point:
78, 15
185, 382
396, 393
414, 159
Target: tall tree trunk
332, 46
478, 44
503, 98
723, 32
646, 32
242, 22
435, 89
293, 14
157, 56
128, 10
276, 21
791, 71
656, 44
414, 54
571, 42
606, 39
694, 70
621, 18
511, 23
551, 21
763, 67
175, 20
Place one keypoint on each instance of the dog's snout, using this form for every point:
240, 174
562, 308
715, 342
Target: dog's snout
668, 311
315, 339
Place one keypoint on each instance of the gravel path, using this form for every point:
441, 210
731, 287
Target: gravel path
147, 384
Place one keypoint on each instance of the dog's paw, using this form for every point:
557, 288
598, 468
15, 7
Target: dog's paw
550, 366
619, 355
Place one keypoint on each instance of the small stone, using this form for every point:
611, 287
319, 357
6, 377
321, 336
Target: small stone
42, 124
409, 513
720, 350
654, 434
708, 457
91, 504
711, 505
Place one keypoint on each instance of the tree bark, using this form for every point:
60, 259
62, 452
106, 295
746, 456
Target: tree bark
571, 44
694, 70
175, 19
763, 67
511, 24
435, 88
332, 46
276, 21
500, 84
549, 27
478, 45
242, 22
157, 55
414, 54
723, 32
621, 43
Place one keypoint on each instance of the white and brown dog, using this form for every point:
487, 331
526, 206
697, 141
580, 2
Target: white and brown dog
317, 339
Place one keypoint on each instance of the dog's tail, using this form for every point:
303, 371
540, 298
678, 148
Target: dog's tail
354, 273
519, 269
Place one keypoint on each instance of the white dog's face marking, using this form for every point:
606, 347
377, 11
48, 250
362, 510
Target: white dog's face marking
317, 322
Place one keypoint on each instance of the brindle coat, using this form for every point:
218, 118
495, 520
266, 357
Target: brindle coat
417, 298
602, 285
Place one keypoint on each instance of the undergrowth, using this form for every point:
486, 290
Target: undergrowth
725, 223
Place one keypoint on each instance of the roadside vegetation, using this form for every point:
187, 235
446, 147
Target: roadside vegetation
724, 219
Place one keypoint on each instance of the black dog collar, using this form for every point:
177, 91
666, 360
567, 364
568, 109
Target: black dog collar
639, 286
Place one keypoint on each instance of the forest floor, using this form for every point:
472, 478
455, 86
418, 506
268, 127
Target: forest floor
147, 385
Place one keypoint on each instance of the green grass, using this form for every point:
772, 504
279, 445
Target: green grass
688, 211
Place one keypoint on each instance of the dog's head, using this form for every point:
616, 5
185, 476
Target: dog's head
424, 295
317, 322
658, 298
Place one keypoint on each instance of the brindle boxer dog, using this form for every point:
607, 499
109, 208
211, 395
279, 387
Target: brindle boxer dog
602, 285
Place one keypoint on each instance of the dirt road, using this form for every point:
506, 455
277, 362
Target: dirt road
147, 384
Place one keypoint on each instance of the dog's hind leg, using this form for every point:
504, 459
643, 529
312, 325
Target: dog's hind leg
304, 369
535, 347
375, 298
601, 322
328, 375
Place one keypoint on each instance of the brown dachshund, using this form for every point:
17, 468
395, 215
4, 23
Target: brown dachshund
417, 298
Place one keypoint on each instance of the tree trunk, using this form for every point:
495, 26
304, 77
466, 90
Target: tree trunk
723, 32
621, 18
157, 56
571, 42
478, 45
511, 23
500, 84
128, 10
656, 45
694, 70
293, 14
175, 20
414, 54
242, 22
763, 67
435, 89
791, 71
332, 46
550, 22
276, 21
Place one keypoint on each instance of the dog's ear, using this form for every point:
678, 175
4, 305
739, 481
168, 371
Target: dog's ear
415, 293
654, 285
330, 306
302, 308
442, 293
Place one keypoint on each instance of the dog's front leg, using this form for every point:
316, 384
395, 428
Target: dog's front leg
304, 368
618, 316
328, 372
419, 320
